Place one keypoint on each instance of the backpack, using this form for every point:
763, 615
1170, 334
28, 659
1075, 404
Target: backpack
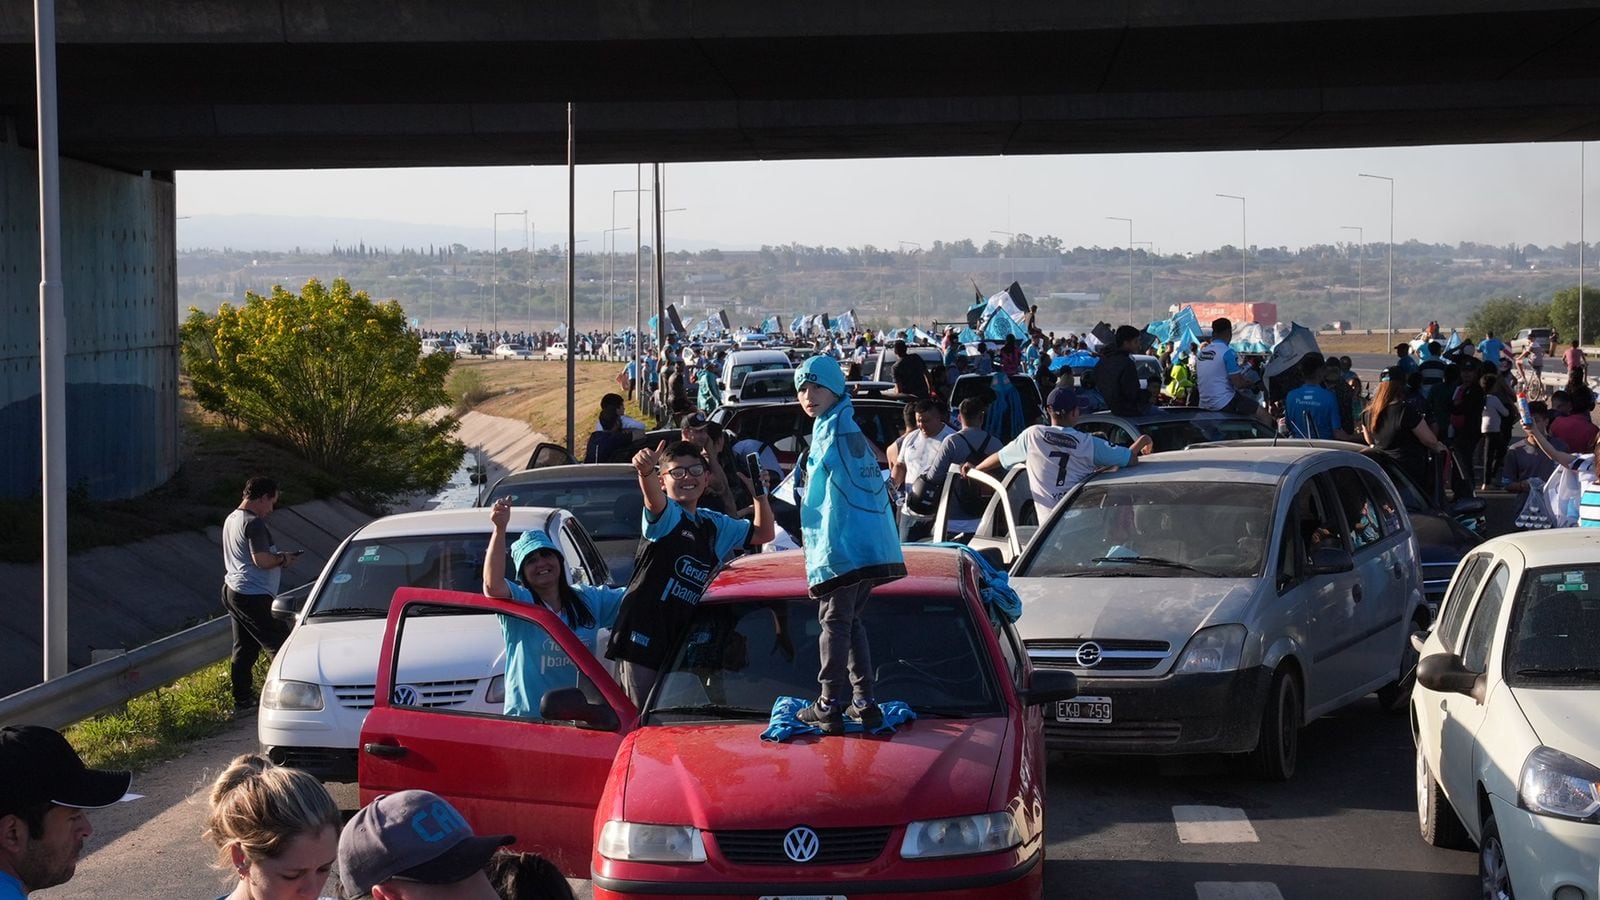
967, 492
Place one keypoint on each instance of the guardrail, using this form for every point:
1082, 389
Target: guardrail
109, 683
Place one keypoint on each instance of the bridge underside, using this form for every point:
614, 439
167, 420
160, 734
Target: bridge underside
323, 84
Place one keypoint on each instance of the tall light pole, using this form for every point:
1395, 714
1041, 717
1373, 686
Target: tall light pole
494, 266
1152, 247
1361, 243
1244, 240
916, 298
52, 349
663, 239
637, 271
1581, 239
611, 277
1011, 240
1390, 264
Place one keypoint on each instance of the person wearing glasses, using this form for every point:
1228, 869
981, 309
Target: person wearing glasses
682, 549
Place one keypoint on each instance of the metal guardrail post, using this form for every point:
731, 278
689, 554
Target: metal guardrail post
95, 688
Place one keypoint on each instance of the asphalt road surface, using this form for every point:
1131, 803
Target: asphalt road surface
1183, 827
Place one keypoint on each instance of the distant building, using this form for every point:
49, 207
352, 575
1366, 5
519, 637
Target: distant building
1006, 266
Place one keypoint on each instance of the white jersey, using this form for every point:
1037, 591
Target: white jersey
1058, 459
1211, 370
921, 453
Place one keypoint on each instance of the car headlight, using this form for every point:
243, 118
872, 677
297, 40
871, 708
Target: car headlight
278, 694
1215, 649
1555, 784
638, 842
960, 836
496, 692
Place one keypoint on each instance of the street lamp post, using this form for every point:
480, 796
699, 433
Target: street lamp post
663, 240
916, 298
638, 271
494, 265
1130, 262
1011, 240
1244, 240
1150, 251
1390, 263
611, 277
1361, 241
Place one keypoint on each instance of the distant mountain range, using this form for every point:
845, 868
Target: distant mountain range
314, 234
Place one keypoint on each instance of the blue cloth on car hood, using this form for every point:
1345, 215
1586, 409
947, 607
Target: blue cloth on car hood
785, 722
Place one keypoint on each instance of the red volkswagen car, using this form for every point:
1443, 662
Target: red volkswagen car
686, 799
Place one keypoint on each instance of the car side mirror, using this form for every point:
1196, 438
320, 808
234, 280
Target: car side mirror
287, 605
1447, 674
1471, 506
570, 705
1418, 639
1329, 561
1050, 686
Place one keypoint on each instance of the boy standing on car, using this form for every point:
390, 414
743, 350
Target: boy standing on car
682, 549
851, 544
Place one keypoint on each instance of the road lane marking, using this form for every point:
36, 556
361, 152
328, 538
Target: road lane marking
1236, 890
1213, 825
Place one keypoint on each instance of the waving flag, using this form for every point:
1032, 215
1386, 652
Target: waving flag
771, 325
1289, 351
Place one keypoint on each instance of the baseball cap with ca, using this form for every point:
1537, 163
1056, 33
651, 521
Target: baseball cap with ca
1065, 399
411, 836
40, 766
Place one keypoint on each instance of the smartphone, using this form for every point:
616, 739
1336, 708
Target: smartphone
752, 467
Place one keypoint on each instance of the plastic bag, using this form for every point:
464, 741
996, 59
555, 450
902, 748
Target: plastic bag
1563, 492
1535, 514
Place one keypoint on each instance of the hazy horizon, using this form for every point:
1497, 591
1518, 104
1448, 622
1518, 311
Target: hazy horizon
1492, 194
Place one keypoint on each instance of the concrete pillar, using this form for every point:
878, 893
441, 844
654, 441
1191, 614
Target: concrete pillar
119, 269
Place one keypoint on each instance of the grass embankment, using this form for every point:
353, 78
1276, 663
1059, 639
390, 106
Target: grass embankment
158, 725
535, 391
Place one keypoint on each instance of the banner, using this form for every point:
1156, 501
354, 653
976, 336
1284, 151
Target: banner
722, 317
1289, 351
673, 319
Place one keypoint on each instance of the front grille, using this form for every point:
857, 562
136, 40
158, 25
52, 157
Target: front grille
432, 694
1116, 654
834, 846
317, 760
1144, 732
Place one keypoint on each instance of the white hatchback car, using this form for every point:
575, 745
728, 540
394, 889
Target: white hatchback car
1506, 715
321, 682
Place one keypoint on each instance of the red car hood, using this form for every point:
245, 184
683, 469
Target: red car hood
726, 777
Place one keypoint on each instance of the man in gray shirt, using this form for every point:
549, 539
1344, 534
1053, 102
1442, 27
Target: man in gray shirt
970, 444
252, 565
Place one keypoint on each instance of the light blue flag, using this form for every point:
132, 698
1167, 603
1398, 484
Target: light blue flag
1287, 354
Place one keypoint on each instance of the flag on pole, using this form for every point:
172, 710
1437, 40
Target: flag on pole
1289, 351
722, 317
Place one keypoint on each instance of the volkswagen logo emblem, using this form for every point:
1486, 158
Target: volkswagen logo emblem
406, 695
801, 844
1088, 654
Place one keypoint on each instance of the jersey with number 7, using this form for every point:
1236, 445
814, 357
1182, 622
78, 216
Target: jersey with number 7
1058, 459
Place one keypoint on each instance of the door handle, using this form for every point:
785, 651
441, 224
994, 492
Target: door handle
387, 751
1355, 592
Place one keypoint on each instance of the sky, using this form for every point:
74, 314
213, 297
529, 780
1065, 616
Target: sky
1490, 193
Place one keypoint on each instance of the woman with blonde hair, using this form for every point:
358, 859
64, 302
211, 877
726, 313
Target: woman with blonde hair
276, 827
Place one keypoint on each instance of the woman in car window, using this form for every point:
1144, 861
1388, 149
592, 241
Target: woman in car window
535, 663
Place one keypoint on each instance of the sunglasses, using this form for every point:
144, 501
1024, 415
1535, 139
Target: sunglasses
694, 471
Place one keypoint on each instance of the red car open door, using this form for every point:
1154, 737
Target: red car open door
438, 724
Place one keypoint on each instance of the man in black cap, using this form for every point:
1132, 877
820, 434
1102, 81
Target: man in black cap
414, 844
44, 791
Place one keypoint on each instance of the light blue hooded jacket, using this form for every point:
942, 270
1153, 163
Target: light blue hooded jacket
535, 663
845, 517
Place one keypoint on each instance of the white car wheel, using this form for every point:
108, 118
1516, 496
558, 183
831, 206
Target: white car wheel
1436, 818
1492, 866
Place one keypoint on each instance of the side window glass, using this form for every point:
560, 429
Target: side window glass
577, 562
1462, 589
1307, 525
504, 667
1388, 511
1360, 513
1008, 652
1290, 559
1120, 437
1485, 618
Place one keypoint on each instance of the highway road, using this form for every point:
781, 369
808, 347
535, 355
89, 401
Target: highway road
1187, 827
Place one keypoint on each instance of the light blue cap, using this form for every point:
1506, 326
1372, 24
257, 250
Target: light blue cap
820, 370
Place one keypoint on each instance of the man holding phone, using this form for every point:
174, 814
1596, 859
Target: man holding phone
252, 566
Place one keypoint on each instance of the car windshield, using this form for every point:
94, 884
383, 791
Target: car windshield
609, 509
1173, 529
369, 571
736, 660
1551, 638
1180, 433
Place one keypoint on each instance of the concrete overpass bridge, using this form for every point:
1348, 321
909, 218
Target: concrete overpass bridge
149, 87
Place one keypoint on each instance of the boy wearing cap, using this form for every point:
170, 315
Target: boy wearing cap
414, 844
1057, 455
851, 544
683, 547
44, 791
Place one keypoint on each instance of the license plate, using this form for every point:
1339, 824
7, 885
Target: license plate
1090, 710
803, 897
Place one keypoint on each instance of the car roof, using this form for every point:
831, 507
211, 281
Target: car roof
472, 520
1557, 547
1224, 465
575, 472
749, 355
930, 571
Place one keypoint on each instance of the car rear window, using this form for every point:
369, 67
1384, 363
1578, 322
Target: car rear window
369, 571
735, 660
609, 509
1173, 529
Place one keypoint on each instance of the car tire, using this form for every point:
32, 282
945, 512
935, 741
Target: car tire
1278, 746
1436, 818
1492, 866
1395, 697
